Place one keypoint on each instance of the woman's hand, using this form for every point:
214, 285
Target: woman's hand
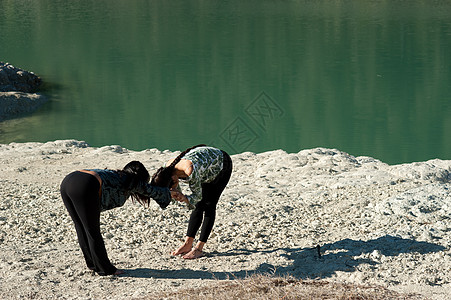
178, 196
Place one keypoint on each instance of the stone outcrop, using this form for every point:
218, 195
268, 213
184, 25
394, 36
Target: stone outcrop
18, 91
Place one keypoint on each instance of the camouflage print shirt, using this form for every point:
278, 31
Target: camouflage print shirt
207, 163
115, 190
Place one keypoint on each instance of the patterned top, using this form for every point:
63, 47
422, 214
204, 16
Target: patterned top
207, 163
115, 190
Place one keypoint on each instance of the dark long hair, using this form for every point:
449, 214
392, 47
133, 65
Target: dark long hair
162, 176
137, 174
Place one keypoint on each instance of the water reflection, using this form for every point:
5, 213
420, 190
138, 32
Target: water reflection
369, 78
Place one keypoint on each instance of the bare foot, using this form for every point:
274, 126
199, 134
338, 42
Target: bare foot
193, 254
182, 250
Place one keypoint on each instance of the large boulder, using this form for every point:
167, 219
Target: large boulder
18, 91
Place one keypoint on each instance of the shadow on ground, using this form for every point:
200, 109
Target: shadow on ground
307, 263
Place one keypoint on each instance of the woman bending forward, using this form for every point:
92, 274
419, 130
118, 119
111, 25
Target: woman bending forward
207, 170
86, 193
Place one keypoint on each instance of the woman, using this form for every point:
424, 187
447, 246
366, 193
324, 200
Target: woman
207, 170
88, 192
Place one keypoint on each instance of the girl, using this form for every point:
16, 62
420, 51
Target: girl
86, 193
207, 170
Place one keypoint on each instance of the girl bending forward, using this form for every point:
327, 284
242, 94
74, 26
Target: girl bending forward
88, 192
207, 171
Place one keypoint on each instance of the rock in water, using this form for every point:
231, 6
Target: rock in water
17, 91
13, 79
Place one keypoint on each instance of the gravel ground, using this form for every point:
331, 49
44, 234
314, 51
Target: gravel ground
373, 224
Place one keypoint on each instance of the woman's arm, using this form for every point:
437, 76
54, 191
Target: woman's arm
196, 193
161, 195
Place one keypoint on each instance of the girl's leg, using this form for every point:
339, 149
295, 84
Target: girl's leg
84, 192
82, 238
195, 221
209, 215
90, 216
209, 220
211, 193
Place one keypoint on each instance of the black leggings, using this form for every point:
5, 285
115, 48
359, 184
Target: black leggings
205, 209
80, 193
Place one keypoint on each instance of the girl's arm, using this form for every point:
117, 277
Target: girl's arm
161, 195
196, 195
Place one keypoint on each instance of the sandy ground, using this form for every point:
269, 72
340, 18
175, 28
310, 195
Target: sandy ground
375, 224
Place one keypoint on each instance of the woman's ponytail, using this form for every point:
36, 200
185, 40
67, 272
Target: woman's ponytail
163, 176
180, 156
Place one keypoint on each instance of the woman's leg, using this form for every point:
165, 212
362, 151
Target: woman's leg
195, 221
211, 193
205, 217
90, 216
209, 217
83, 190
81, 235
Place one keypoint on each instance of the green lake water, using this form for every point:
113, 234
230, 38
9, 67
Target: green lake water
366, 77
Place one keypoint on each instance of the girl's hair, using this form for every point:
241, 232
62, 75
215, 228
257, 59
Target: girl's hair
163, 176
137, 174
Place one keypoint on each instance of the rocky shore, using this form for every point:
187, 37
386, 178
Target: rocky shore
375, 224
18, 91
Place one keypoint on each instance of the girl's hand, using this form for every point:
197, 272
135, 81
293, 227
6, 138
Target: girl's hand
175, 194
178, 196
181, 198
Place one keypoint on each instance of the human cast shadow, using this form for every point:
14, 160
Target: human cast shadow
306, 263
